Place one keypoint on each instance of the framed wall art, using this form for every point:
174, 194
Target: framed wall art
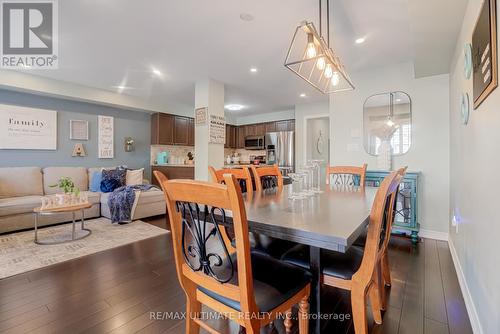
105, 128
484, 53
78, 130
26, 128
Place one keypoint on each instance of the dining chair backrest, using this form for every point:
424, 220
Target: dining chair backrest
346, 175
267, 177
378, 225
391, 212
241, 174
197, 212
160, 177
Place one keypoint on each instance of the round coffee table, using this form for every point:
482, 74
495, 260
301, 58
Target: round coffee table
51, 211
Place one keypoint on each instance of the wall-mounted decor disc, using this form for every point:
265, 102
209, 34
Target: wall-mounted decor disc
465, 108
467, 60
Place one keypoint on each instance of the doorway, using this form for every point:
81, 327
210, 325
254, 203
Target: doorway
317, 145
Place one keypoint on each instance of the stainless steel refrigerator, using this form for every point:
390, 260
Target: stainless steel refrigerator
280, 149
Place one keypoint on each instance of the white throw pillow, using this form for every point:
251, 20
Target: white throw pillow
134, 177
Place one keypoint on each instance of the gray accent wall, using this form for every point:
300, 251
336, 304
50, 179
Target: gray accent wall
126, 124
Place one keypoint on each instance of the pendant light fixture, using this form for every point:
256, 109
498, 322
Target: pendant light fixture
312, 59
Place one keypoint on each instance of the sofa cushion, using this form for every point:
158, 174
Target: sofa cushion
91, 171
20, 181
94, 197
51, 175
19, 205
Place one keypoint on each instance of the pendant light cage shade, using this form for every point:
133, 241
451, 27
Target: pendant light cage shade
311, 59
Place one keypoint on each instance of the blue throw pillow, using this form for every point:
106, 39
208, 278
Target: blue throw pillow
95, 186
110, 185
112, 179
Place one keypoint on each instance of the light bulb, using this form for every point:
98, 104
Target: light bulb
320, 64
328, 71
311, 48
335, 79
390, 122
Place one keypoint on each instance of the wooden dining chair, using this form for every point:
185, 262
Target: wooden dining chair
259, 242
346, 175
266, 177
384, 266
249, 288
357, 270
241, 174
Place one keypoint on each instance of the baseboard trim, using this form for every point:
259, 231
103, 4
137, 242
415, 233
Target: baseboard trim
469, 303
430, 234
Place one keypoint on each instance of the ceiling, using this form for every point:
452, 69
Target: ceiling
106, 44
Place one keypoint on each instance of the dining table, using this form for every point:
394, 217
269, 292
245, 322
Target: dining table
331, 219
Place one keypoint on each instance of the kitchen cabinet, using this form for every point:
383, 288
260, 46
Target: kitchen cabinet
162, 129
181, 126
173, 172
191, 132
260, 129
250, 130
270, 127
172, 130
240, 143
231, 136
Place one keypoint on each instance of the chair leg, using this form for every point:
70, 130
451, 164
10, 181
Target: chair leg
288, 321
193, 309
386, 270
358, 303
381, 287
304, 315
375, 302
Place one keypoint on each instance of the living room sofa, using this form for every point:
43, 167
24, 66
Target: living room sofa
22, 189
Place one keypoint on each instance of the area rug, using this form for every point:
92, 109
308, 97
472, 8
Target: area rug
19, 254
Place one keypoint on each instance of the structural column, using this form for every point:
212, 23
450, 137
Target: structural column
210, 94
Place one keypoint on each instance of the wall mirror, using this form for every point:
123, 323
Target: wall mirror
387, 120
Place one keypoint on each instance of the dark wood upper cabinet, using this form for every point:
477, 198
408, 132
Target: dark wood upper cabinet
181, 130
260, 129
291, 125
162, 129
251, 130
191, 132
241, 137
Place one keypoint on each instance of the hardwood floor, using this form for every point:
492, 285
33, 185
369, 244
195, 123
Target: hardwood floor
116, 291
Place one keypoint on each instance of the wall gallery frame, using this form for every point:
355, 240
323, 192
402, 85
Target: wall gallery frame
78, 130
105, 128
24, 128
484, 53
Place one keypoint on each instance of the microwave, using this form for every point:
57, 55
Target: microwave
255, 143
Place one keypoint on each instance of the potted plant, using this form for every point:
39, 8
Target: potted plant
70, 190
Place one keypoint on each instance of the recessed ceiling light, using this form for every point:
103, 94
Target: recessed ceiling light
157, 72
234, 107
360, 40
303, 95
246, 17
254, 70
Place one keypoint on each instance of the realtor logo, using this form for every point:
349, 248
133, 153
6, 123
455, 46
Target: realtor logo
29, 34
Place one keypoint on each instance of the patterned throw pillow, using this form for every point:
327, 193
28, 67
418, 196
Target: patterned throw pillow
112, 179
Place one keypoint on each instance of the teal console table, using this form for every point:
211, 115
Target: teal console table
406, 217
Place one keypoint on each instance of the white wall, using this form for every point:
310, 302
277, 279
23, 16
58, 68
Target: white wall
265, 117
474, 154
429, 152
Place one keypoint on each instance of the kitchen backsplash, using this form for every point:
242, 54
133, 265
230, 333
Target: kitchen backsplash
173, 151
244, 154
182, 151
